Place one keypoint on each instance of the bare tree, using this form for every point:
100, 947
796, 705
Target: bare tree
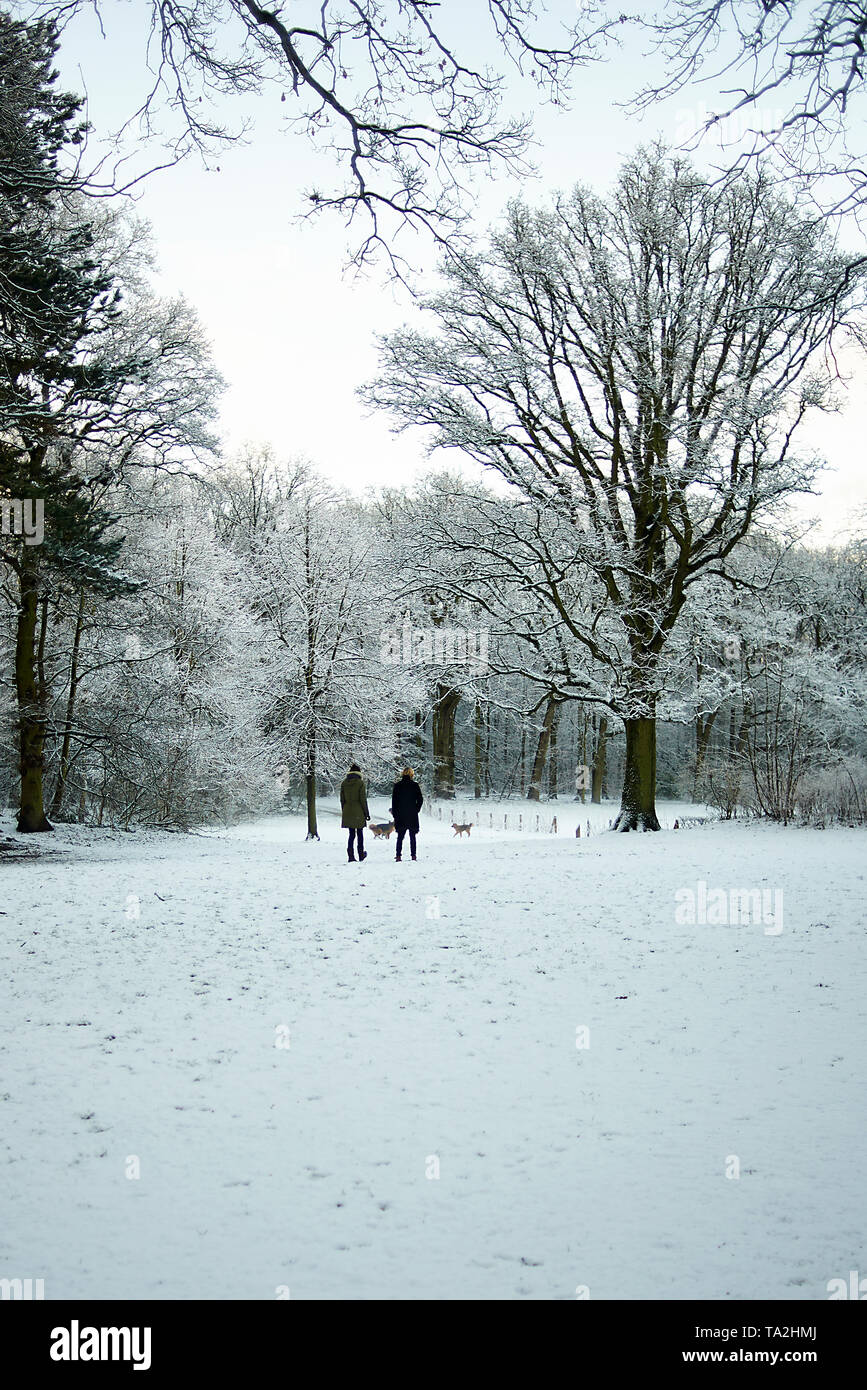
639, 368
308, 584
390, 90
805, 56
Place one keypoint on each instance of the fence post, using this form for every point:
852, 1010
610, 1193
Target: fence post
554, 826
578, 832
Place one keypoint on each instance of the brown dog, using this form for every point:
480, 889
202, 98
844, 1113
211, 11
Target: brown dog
380, 830
462, 829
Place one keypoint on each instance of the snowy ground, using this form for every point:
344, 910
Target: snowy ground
431, 1011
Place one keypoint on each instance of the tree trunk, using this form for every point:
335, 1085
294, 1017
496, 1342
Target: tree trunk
31, 711
583, 762
400, 737
103, 791
445, 709
638, 802
600, 756
312, 733
488, 751
542, 750
63, 771
479, 749
310, 784
505, 764
703, 726
553, 770
310, 787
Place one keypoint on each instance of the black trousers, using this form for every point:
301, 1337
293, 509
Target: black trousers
400, 835
352, 836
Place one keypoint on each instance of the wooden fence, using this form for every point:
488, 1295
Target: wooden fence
511, 820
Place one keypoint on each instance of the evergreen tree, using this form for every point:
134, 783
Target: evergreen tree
88, 374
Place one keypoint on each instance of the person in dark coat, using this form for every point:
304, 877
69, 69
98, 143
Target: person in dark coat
406, 802
353, 804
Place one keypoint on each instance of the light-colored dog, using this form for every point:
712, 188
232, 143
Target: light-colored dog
380, 830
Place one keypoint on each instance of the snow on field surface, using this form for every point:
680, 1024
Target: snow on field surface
152, 982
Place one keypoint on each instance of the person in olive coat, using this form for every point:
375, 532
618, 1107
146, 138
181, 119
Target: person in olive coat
406, 802
353, 803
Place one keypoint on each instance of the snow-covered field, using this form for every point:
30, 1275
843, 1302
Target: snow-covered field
234, 1065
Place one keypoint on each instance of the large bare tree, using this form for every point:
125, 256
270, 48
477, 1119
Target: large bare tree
639, 365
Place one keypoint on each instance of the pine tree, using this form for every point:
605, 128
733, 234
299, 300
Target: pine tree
56, 302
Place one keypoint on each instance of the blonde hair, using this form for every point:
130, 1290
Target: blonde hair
408, 772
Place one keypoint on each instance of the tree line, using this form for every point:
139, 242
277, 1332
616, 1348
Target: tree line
271, 629
194, 638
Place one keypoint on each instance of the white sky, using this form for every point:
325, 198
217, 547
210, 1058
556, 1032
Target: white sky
291, 334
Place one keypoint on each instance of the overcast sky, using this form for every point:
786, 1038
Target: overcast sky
292, 334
